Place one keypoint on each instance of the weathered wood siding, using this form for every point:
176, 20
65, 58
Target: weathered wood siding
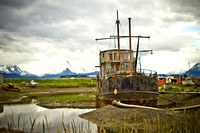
133, 83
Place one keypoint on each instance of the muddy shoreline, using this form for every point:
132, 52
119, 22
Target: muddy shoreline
110, 117
54, 103
31, 95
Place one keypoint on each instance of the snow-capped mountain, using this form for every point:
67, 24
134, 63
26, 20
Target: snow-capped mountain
67, 71
10, 71
13, 71
194, 71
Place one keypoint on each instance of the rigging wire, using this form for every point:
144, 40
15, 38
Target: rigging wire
113, 33
134, 27
153, 57
149, 43
109, 46
132, 32
121, 28
127, 43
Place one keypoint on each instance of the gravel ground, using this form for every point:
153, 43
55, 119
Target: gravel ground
145, 120
131, 118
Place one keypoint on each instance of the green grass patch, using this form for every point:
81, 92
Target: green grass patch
180, 88
55, 82
68, 98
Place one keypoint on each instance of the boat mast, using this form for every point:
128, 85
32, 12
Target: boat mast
118, 40
137, 54
118, 22
130, 45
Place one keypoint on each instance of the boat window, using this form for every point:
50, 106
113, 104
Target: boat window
125, 56
129, 56
110, 56
121, 57
117, 67
127, 66
122, 66
112, 68
106, 68
115, 56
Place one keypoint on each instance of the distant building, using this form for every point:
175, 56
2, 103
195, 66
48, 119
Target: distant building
73, 76
79, 76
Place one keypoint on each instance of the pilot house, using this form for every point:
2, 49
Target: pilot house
112, 64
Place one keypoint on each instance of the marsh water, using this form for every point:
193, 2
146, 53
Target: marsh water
27, 116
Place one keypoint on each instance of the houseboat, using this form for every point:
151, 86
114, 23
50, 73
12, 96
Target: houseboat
119, 78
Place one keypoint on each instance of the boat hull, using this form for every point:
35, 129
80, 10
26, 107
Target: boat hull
11, 89
137, 89
31, 85
137, 98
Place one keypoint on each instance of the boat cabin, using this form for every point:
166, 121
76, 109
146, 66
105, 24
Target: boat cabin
111, 64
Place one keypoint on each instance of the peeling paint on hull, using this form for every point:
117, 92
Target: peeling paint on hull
136, 89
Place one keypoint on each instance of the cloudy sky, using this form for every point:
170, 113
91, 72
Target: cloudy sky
40, 36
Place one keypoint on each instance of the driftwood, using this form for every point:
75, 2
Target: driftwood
119, 104
123, 105
186, 108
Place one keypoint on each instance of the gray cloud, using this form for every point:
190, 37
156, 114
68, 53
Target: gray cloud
16, 4
184, 10
74, 24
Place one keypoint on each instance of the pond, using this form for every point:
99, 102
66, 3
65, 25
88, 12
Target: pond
24, 117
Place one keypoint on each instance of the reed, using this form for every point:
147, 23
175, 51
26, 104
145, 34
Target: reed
187, 122
32, 124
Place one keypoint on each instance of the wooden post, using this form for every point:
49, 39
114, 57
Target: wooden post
130, 45
1, 79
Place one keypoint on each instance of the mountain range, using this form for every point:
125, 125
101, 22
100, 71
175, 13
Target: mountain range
194, 71
13, 71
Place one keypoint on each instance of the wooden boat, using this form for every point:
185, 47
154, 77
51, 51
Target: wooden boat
119, 79
10, 87
188, 81
32, 84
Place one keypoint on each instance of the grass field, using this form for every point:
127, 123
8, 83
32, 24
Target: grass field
60, 83
180, 88
61, 89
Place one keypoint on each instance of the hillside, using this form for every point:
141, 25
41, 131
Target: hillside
194, 71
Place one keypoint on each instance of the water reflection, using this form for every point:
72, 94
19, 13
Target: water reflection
23, 113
